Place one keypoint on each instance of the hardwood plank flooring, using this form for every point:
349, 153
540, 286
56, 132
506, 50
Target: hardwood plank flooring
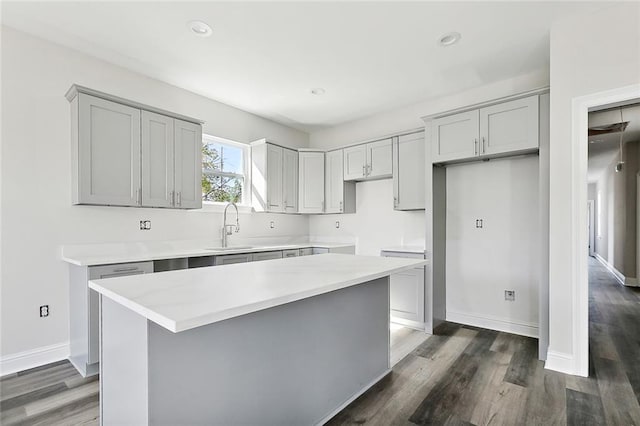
459, 376
497, 379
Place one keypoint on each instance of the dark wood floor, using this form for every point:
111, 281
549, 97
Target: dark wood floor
460, 376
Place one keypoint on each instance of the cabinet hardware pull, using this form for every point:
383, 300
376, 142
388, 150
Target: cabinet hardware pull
340, 205
483, 145
363, 170
180, 198
138, 197
131, 268
475, 147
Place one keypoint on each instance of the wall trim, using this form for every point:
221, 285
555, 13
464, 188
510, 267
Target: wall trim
579, 252
560, 361
21, 361
494, 323
611, 268
626, 281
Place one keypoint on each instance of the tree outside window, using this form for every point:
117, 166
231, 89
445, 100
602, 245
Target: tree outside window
223, 176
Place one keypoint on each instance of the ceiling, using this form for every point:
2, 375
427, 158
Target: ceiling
603, 149
265, 57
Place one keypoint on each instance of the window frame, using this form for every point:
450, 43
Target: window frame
246, 166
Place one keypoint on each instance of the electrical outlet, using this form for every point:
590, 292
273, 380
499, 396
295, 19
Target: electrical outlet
510, 295
272, 224
145, 225
44, 311
337, 224
479, 223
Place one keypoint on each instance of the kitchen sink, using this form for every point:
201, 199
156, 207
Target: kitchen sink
229, 248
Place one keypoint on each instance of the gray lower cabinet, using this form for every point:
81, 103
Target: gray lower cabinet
407, 293
84, 317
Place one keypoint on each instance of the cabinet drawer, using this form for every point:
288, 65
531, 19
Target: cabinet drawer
120, 270
269, 255
308, 251
232, 258
290, 253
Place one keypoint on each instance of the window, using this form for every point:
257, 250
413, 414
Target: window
223, 170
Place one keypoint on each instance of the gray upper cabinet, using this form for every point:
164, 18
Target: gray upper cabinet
409, 172
188, 165
129, 154
274, 177
157, 160
509, 127
455, 137
290, 180
505, 128
355, 161
340, 196
311, 183
106, 152
368, 161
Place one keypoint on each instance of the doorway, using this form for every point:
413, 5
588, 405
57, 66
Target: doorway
579, 240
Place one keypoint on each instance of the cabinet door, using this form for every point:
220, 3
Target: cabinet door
269, 255
108, 152
455, 137
290, 180
334, 182
355, 160
379, 159
188, 165
409, 172
511, 126
306, 251
274, 178
107, 271
406, 291
157, 160
311, 186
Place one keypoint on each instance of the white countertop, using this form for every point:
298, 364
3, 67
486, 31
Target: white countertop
189, 298
405, 249
169, 250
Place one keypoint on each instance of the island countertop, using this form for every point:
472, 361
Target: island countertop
185, 299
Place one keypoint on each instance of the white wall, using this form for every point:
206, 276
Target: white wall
375, 225
616, 241
502, 255
37, 215
612, 35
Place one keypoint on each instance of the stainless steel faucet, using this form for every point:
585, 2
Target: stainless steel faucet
228, 229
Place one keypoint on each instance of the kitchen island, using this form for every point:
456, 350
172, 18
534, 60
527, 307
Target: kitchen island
279, 342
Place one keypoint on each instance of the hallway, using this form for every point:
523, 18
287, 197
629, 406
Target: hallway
614, 347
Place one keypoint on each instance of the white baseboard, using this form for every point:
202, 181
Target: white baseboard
21, 361
621, 278
494, 323
560, 361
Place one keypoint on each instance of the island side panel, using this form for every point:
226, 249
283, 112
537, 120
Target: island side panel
123, 365
293, 364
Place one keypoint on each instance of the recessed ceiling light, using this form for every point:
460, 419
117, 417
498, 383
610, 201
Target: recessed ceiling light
318, 91
449, 39
200, 28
